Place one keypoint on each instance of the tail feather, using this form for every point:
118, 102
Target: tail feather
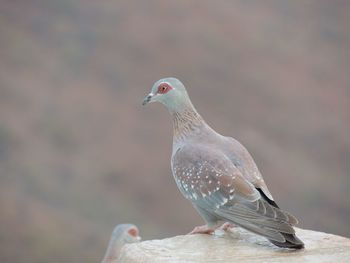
265, 218
270, 234
280, 239
270, 231
292, 241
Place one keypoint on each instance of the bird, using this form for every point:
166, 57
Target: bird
218, 175
121, 235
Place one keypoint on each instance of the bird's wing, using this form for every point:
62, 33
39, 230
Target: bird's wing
236, 151
210, 180
203, 174
240, 156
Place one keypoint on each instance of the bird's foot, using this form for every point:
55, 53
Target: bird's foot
226, 226
202, 230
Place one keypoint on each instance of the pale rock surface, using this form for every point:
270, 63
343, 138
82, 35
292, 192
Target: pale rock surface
239, 246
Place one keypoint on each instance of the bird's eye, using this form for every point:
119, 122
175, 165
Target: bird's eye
133, 232
163, 88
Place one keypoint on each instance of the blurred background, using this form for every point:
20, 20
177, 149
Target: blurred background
79, 154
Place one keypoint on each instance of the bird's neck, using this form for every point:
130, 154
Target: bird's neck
113, 251
186, 122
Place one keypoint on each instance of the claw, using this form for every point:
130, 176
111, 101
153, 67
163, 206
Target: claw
202, 230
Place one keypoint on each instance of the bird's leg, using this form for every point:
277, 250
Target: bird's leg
205, 229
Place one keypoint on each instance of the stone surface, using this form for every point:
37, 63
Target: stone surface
238, 246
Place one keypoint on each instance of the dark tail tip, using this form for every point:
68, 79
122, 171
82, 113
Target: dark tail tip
292, 242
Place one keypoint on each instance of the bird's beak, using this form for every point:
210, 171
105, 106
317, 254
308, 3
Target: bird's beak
147, 99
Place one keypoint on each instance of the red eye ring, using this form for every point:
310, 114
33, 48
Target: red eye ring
163, 88
133, 232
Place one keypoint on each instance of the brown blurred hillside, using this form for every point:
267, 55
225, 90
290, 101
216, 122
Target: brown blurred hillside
79, 154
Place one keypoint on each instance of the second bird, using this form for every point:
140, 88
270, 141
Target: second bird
218, 175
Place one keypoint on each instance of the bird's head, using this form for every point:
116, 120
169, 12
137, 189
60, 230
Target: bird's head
126, 233
170, 92
122, 234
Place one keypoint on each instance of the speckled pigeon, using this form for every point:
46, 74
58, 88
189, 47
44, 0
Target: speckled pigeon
122, 234
218, 175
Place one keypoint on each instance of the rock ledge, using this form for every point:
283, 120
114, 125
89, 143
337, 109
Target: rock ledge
238, 246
